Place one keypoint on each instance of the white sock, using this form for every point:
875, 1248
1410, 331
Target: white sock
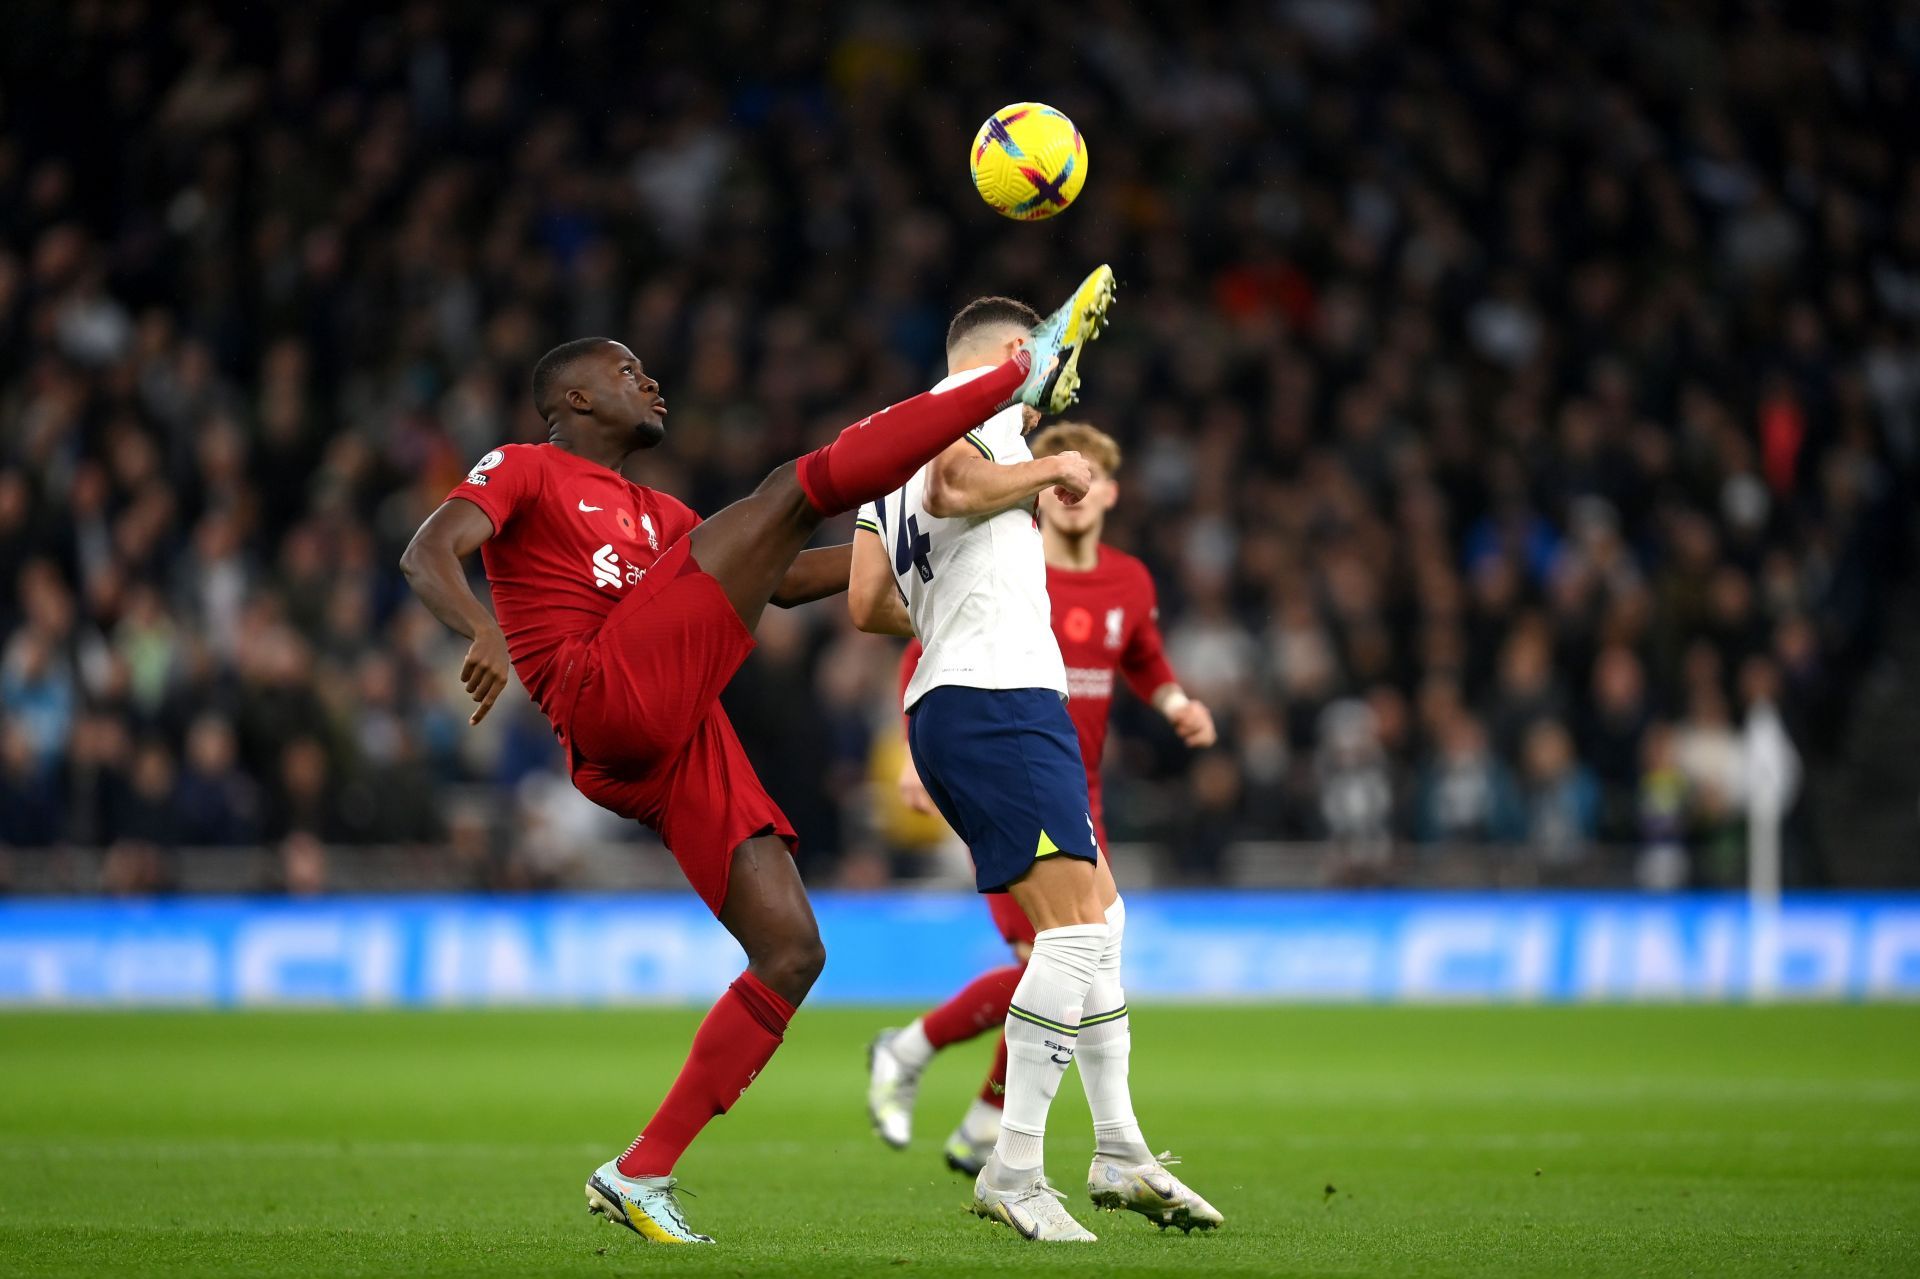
911, 1046
1104, 1047
982, 1121
1041, 1027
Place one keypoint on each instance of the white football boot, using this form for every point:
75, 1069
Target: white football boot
1150, 1190
892, 1086
1035, 1211
644, 1205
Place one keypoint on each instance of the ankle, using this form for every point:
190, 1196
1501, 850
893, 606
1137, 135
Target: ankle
912, 1046
1019, 1151
982, 1122
1121, 1145
1003, 1176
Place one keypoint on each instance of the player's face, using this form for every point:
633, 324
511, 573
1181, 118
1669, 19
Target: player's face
1086, 515
627, 398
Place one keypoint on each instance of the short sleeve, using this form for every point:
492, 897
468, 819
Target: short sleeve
502, 482
998, 438
868, 518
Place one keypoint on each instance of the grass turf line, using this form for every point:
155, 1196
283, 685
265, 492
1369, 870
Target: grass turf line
1338, 1141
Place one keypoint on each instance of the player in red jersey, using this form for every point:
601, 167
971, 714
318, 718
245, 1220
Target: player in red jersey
624, 615
1106, 618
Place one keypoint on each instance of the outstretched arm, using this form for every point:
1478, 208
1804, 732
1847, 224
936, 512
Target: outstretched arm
814, 575
962, 482
432, 567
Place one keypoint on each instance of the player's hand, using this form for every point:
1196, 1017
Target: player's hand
1073, 477
485, 670
1194, 723
913, 793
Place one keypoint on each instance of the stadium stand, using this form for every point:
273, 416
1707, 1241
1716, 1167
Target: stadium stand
1511, 420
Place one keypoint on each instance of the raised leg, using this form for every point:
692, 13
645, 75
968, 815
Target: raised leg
749, 546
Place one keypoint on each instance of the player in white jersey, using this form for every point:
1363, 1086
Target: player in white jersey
988, 622
959, 546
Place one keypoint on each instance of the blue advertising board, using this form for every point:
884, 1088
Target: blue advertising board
918, 947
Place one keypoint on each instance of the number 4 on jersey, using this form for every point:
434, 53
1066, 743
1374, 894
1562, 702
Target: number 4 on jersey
911, 547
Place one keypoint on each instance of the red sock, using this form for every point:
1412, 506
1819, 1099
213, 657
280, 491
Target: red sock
867, 463
994, 1091
981, 1006
729, 1049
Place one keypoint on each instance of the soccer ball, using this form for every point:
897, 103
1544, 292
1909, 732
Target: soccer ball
1028, 161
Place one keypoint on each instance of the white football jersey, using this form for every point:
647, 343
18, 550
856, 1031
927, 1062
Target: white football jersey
975, 586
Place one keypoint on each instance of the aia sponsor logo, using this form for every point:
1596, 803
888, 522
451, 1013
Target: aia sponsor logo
610, 570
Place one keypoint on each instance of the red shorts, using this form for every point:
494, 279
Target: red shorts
1012, 922
644, 730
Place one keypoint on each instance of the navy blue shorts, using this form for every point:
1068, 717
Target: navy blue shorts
1003, 767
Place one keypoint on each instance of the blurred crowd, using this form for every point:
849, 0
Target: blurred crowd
1519, 398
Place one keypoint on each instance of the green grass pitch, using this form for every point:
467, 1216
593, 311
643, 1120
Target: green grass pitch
1338, 1141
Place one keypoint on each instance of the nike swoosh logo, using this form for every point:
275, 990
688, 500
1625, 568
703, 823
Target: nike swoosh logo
584, 507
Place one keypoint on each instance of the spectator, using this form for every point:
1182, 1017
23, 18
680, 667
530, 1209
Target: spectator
1663, 863
1708, 751
98, 793
214, 802
1614, 729
1491, 377
39, 696
1524, 692
29, 807
1352, 781
1562, 801
303, 800
1465, 794
136, 862
773, 705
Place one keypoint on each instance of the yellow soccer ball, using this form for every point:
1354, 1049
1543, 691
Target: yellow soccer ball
1028, 161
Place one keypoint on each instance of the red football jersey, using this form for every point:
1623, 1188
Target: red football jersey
1106, 619
569, 536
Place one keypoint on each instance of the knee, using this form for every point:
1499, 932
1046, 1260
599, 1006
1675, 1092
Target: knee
791, 963
805, 960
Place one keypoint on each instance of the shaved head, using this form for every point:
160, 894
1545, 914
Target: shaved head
597, 399
550, 374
